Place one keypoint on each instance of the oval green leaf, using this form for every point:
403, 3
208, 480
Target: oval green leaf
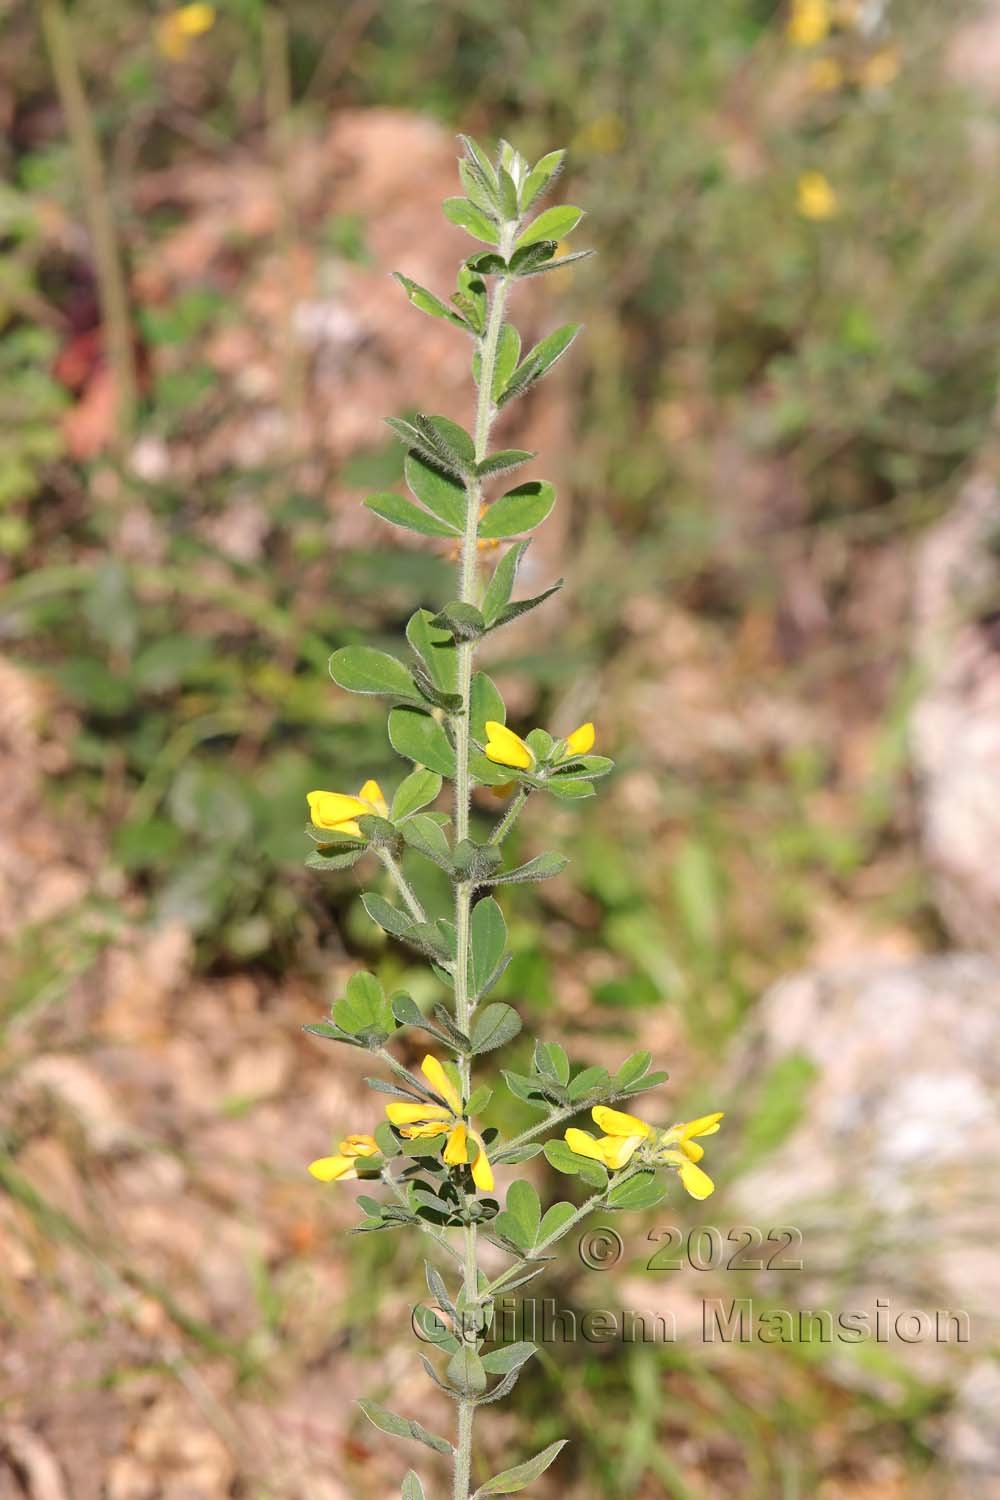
403, 513
519, 510
420, 738
362, 669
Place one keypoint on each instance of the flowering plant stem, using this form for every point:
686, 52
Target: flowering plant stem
468, 587
449, 720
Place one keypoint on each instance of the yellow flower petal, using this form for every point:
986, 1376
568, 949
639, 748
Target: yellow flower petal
359, 1145
482, 1172
400, 1113
697, 1182
809, 22
371, 793
581, 741
175, 31
584, 1144
704, 1125
815, 198
335, 810
691, 1150
614, 1122
333, 1169
193, 20
618, 1150
456, 1152
505, 748
441, 1083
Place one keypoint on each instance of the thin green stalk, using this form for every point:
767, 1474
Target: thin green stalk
112, 289
510, 817
435, 1234
555, 1118
468, 582
403, 886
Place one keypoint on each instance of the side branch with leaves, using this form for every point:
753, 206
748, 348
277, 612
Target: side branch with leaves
436, 1165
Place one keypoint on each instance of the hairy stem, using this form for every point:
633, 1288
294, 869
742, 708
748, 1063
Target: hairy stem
403, 886
510, 817
533, 1131
464, 1001
436, 1235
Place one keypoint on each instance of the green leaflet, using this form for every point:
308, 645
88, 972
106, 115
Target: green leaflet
409, 517
494, 1026
501, 585
435, 648
427, 302
414, 792
397, 1426
418, 737
485, 703
519, 510
541, 177
553, 224
488, 941
539, 360
440, 491
508, 354
472, 219
361, 669
511, 1481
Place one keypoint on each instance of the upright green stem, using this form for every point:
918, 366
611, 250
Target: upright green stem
468, 581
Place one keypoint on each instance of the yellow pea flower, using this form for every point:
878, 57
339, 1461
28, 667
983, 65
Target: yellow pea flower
625, 1134
342, 1168
337, 811
419, 1121
809, 22
505, 748
581, 741
678, 1147
176, 30
815, 198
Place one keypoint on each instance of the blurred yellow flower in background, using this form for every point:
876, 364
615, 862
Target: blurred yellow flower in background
825, 75
601, 137
178, 29
881, 69
808, 22
815, 197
